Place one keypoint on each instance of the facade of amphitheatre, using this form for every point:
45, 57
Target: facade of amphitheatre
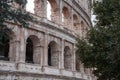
46, 49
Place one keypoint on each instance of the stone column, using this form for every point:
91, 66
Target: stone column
17, 52
45, 57
12, 52
81, 30
66, 23
45, 9
74, 59
22, 46
37, 55
55, 16
82, 69
61, 65
60, 12
37, 7
40, 8
42, 54
72, 21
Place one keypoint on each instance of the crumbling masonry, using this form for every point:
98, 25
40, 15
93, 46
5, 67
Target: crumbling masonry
46, 49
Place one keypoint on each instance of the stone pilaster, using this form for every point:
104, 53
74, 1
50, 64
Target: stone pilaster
62, 55
72, 21
37, 7
74, 59
55, 16
12, 52
41, 8
60, 11
45, 9
82, 69
22, 46
45, 60
42, 54
37, 55
17, 48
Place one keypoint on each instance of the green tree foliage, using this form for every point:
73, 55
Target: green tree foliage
100, 49
9, 13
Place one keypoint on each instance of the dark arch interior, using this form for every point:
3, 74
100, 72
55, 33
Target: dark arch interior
49, 55
82, 26
65, 12
53, 54
4, 49
77, 64
75, 19
67, 58
29, 51
53, 4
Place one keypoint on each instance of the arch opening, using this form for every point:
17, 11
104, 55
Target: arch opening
75, 22
77, 63
65, 16
53, 54
4, 48
67, 58
49, 55
29, 51
7, 47
65, 12
32, 50
51, 9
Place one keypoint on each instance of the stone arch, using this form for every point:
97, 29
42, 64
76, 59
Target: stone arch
82, 27
53, 54
67, 58
75, 22
53, 4
33, 50
7, 51
65, 15
52, 9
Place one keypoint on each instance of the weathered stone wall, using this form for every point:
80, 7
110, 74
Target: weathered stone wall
34, 77
56, 34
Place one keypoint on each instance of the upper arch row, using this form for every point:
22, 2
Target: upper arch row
58, 12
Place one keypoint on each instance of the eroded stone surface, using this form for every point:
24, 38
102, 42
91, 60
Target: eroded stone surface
69, 19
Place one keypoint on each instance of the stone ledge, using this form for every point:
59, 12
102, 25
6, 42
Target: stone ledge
31, 69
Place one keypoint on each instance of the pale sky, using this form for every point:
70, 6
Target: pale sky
30, 6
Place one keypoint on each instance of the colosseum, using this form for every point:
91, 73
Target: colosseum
46, 49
